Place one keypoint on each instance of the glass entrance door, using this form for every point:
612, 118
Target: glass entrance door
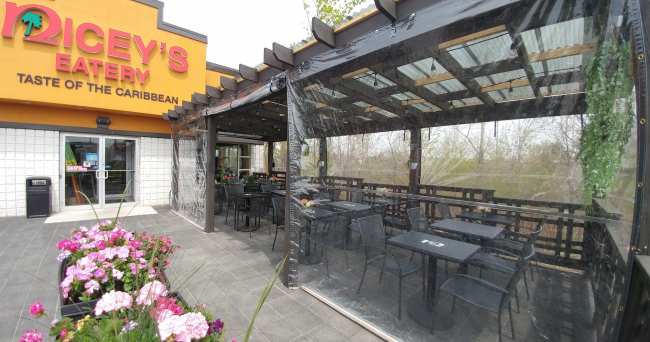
98, 170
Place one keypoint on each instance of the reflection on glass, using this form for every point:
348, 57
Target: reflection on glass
81, 162
120, 167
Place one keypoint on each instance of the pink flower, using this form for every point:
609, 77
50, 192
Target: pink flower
134, 268
122, 252
36, 309
100, 245
150, 292
91, 286
31, 336
63, 334
135, 244
113, 301
166, 306
196, 326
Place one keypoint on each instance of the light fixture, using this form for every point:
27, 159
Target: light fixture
375, 83
510, 90
495, 129
429, 133
433, 66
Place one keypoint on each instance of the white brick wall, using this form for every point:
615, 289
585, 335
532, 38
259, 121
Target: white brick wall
155, 171
25, 153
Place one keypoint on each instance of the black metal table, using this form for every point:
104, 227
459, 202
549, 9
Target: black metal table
349, 206
434, 247
488, 218
246, 196
473, 230
282, 193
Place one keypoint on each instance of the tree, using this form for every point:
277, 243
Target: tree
32, 20
332, 12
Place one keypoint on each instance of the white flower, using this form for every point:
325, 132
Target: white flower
118, 274
196, 327
113, 301
173, 325
150, 292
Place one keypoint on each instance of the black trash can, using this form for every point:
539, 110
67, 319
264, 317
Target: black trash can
38, 197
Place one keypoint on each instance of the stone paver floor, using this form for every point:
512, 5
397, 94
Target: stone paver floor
233, 270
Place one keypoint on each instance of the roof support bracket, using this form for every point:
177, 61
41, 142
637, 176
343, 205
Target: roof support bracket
283, 54
272, 61
387, 8
229, 83
248, 73
323, 32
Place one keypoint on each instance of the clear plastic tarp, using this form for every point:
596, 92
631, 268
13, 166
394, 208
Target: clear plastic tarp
190, 157
436, 172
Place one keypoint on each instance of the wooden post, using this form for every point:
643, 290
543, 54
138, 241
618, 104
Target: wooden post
415, 163
210, 173
322, 159
269, 158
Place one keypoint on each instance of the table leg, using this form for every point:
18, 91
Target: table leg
428, 313
432, 282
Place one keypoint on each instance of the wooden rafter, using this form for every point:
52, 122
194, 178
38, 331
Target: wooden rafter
472, 36
522, 82
434, 79
561, 52
463, 76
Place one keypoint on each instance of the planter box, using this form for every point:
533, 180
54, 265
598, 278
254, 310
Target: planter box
77, 311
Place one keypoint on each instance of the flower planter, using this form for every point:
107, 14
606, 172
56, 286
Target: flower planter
77, 310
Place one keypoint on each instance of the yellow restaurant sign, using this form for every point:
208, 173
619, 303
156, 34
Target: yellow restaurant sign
109, 55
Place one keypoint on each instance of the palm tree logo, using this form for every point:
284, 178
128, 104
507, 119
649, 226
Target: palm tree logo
33, 21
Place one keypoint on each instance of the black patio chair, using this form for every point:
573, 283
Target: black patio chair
232, 200
278, 216
445, 212
487, 295
329, 233
356, 197
373, 237
504, 260
257, 209
515, 242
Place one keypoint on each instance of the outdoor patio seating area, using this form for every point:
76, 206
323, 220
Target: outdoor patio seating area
444, 175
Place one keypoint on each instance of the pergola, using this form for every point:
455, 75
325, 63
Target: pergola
411, 65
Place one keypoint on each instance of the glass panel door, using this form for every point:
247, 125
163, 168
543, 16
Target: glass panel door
82, 170
119, 155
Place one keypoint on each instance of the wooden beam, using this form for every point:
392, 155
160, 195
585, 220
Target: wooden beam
210, 173
213, 92
283, 54
229, 83
200, 99
406, 84
323, 32
561, 52
188, 106
355, 73
522, 82
522, 53
434, 79
463, 76
271, 61
248, 73
387, 8
472, 36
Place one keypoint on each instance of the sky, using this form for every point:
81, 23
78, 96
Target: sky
239, 30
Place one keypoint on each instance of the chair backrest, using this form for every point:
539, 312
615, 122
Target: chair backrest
335, 195
443, 209
258, 206
356, 196
278, 208
234, 189
538, 230
417, 221
373, 234
520, 269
